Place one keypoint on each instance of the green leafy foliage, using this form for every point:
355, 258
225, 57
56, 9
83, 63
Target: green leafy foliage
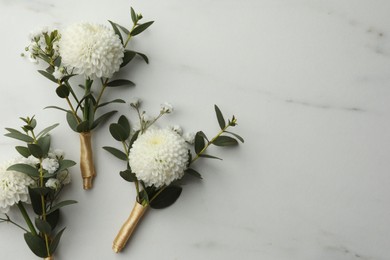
237, 136
62, 91
103, 118
120, 82
36, 244
166, 197
128, 56
53, 218
112, 101
44, 144
35, 150
117, 153
127, 175
24, 168
48, 75
223, 140
56, 240
24, 151
140, 28
36, 202
61, 204
72, 121
199, 142
193, 173
43, 226
19, 136
221, 120
209, 156
118, 132
116, 30
83, 127
46, 130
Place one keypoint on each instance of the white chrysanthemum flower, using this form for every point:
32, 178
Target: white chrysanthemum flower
64, 177
50, 165
13, 188
189, 137
166, 108
159, 157
91, 49
53, 183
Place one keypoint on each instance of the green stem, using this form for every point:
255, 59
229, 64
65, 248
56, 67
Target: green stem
27, 218
104, 86
210, 142
41, 182
8, 219
129, 35
73, 111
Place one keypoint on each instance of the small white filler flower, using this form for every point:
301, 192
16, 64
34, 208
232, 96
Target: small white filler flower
159, 157
53, 183
50, 165
91, 49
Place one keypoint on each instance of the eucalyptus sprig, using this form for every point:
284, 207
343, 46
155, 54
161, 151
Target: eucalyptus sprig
166, 193
43, 174
107, 53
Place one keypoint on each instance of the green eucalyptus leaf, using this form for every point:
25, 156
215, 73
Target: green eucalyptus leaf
199, 143
55, 107
35, 150
144, 57
221, 120
133, 15
36, 201
56, 240
103, 118
62, 91
67, 77
65, 164
223, 140
47, 130
118, 132
53, 218
237, 136
124, 122
44, 143
127, 175
120, 82
24, 168
61, 204
209, 156
116, 30
133, 138
21, 137
43, 226
140, 28
124, 30
193, 173
167, 197
12, 130
83, 127
48, 75
117, 153
72, 121
24, 151
128, 56
36, 244
112, 101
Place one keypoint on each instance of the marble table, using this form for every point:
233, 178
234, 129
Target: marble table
309, 83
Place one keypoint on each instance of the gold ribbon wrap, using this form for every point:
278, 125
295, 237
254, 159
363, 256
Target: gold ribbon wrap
128, 227
86, 160
49, 258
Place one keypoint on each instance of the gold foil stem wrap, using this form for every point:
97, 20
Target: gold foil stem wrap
49, 258
128, 227
86, 160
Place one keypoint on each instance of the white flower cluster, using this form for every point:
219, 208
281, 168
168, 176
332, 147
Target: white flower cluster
38, 44
91, 49
159, 157
13, 188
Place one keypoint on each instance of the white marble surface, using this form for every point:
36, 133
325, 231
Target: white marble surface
309, 82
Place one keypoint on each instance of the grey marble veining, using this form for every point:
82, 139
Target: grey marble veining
309, 82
